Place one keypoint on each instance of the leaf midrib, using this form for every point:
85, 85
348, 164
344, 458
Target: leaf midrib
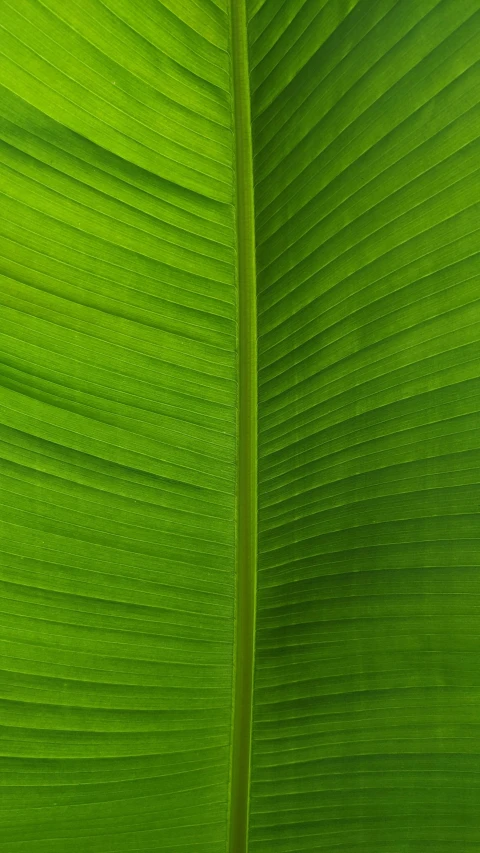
246, 539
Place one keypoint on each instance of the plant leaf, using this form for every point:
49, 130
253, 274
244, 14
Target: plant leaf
365, 136
183, 184
118, 425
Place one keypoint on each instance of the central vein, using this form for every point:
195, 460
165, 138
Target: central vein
247, 439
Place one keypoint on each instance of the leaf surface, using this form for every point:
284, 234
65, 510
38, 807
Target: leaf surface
239, 236
365, 138
118, 426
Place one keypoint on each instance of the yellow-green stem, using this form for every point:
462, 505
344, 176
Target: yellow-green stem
247, 438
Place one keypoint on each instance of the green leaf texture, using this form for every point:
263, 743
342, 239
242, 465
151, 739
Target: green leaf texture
135, 275
366, 120
118, 433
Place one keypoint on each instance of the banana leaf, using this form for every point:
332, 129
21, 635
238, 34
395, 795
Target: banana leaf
239, 426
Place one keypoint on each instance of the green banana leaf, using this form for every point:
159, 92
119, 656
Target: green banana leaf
240, 431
